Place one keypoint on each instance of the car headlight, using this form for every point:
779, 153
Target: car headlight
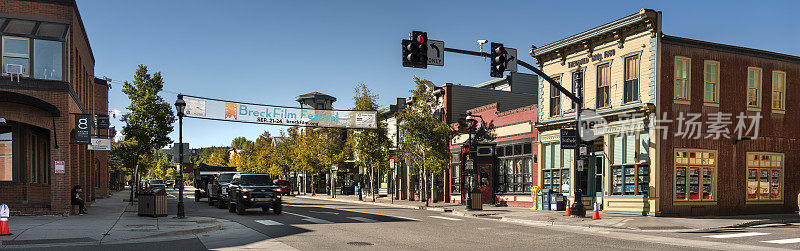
278, 189
245, 190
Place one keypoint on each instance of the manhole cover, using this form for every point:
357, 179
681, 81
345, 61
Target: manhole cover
359, 243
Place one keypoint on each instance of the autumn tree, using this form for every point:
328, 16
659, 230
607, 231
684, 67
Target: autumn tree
370, 146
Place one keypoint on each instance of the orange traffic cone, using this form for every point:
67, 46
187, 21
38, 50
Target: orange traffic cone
596, 212
568, 212
4, 220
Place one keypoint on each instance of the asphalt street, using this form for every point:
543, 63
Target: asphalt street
324, 225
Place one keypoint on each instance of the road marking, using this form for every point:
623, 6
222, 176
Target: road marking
356, 211
269, 222
324, 212
444, 218
405, 218
736, 235
784, 241
310, 219
362, 219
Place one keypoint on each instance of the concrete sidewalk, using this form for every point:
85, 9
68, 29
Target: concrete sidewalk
522, 215
112, 221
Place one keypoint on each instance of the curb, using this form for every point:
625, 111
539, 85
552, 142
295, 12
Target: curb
436, 209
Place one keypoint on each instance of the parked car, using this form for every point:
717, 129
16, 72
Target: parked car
218, 189
283, 186
151, 184
204, 174
171, 183
253, 190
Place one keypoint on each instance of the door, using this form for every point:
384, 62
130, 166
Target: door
598, 167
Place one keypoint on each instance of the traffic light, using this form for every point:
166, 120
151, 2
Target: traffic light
499, 57
415, 50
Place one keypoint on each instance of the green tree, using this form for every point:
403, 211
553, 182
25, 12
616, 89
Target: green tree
426, 137
370, 146
240, 142
150, 118
282, 162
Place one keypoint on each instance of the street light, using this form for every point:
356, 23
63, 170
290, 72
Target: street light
180, 106
471, 123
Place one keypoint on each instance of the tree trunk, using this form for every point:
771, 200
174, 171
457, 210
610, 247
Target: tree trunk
313, 184
134, 182
433, 188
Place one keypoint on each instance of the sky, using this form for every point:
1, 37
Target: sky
269, 52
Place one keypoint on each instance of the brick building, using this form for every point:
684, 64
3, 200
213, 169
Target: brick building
669, 141
46, 42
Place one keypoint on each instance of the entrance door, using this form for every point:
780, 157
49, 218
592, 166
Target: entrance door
598, 166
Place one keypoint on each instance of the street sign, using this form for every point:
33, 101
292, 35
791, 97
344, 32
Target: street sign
435, 52
569, 139
511, 60
469, 164
176, 153
60, 167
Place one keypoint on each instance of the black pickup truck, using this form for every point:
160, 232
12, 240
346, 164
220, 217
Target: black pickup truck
218, 189
253, 190
204, 175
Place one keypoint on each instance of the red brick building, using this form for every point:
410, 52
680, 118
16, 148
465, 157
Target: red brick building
46, 42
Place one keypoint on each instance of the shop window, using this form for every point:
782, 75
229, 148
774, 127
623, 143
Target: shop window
603, 80
682, 78
630, 165
695, 175
778, 90
514, 171
6, 153
753, 87
765, 176
711, 82
631, 79
556, 168
16, 51
555, 99
47, 59
455, 173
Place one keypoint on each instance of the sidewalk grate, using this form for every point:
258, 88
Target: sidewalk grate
47, 241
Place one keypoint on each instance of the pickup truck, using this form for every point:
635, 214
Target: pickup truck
203, 174
251, 191
218, 189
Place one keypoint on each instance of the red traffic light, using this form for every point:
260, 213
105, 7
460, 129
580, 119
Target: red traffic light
420, 39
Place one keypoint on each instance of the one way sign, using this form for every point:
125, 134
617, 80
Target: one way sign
436, 53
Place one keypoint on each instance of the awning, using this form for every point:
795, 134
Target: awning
29, 100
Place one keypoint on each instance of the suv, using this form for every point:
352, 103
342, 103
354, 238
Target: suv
283, 186
218, 189
152, 184
253, 190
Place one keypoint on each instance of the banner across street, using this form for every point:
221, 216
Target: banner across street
215, 109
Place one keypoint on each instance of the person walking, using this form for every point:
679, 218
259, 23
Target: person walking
75, 199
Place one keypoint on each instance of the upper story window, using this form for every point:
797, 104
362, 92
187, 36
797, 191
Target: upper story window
682, 84
555, 99
778, 90
36, 47
753, 87
631, 79
603, 80
711, 82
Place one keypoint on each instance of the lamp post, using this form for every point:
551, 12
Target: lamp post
577, 207
180, 105
471, 123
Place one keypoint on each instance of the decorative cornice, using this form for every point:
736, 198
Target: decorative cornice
483, 108
517, 110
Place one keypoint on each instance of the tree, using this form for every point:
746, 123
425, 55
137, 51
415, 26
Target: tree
282, 161
425, 138
240, 143
150, 118
370, 146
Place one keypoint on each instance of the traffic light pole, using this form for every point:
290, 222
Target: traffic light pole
577, 207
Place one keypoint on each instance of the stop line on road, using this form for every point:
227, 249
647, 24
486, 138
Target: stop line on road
750, 234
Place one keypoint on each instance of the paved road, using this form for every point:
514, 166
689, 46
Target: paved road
314, 224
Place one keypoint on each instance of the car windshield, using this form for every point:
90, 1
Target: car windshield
282, 183
157, 182
225, 177
255, 180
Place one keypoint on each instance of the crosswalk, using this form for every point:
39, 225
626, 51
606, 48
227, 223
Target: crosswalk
752, 234
314, 220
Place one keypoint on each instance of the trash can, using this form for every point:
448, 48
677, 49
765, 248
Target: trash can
476, 199
544, 200
557, 202
153, 203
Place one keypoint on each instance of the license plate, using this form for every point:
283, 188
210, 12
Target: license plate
263, 199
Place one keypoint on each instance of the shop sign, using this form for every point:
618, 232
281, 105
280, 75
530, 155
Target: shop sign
102, 121
100, 144
60, 167
569, 139
469, 164
593, 58
83, 128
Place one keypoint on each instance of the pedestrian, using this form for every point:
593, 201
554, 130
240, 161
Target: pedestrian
77, 200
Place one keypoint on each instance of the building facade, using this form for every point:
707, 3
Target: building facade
667, 139
44, 45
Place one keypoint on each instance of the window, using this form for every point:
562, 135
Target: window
47, 59
603, 79
6, 153
16, 51
455, 175
630, 167
682, 84
631, 79
711, 82
754, 87
778, 90
764, 176
555, 99
695, 177
514, 169
38, 157
555, 172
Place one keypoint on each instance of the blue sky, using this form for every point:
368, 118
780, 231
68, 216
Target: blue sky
269, 52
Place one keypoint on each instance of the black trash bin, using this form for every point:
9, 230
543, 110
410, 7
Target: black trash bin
476, 199
153, 202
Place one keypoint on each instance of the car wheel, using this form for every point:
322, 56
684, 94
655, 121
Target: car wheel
277, 208
240, 208
231, 207
220, 204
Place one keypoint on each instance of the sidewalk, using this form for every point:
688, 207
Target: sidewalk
112, 221
523, 215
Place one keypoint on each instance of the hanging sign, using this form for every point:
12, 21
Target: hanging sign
102, 121
83, 128
100, 144
205, 108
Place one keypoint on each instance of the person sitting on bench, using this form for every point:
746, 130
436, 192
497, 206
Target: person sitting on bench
76, 199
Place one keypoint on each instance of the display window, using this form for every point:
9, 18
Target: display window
695, 175
765, 176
